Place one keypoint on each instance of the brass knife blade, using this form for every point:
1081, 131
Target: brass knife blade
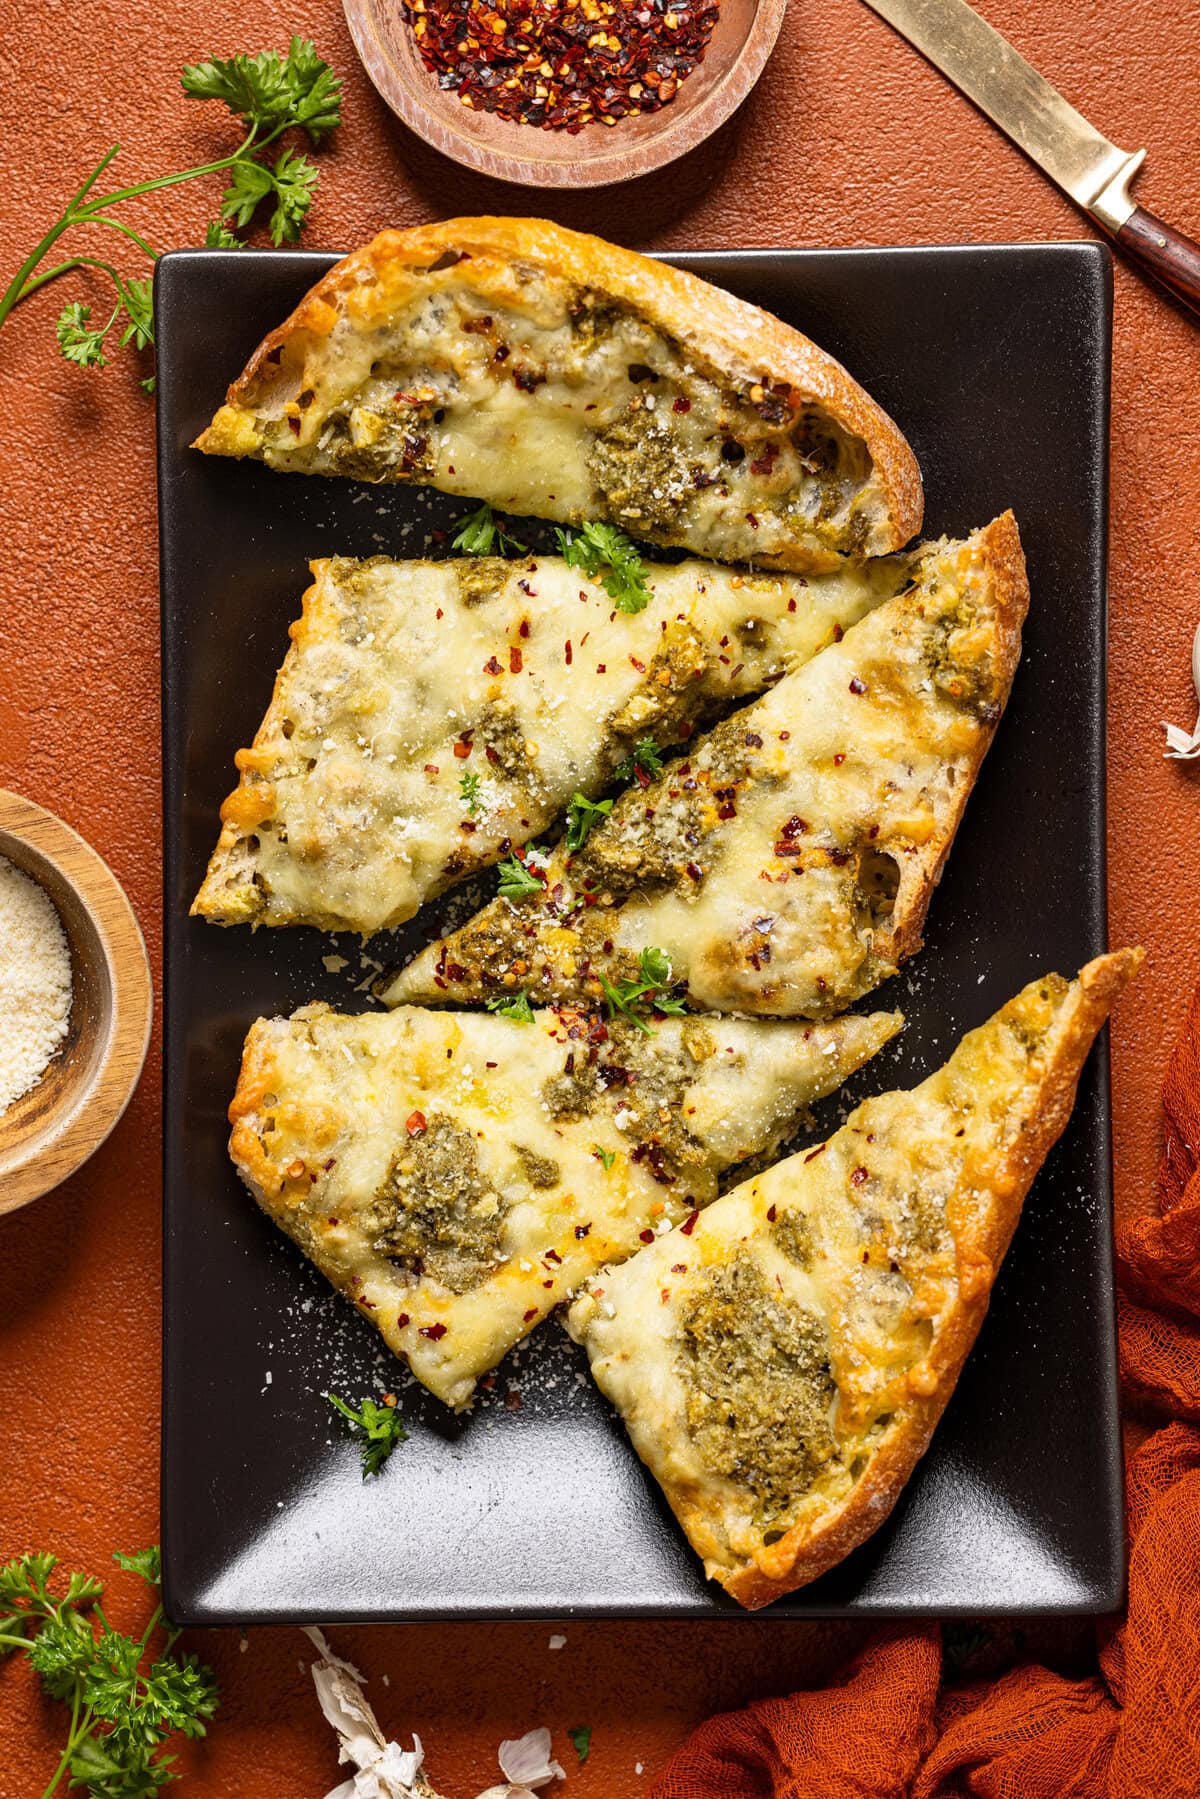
1088, 168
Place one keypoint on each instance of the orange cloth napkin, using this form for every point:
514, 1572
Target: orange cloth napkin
886, 1728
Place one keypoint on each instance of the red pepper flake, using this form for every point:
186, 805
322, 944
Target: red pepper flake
813, 1153
463, 745
402, 1320
640, 666
602, 668
838, 760
561, 67
552, 1255
529, 1316
695, 870
568, 652
516, 661
857, 686
493, 755
523, 627
858, 1177
838, 633
294, 425
415, 1124
439, 613
728, 810
682, 404
791, 605
772, 1214
492, 667
581, 1231
435, 1332
689, 1224
678, 1267
646, 1236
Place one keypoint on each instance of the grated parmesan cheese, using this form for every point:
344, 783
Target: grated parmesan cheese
35, 983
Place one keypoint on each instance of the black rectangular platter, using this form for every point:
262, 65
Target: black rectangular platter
995, 362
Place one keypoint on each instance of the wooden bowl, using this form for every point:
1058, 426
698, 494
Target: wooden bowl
52, 1130
742, 40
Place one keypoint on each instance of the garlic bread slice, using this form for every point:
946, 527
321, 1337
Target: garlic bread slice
457, 1176
429, 715
785, 863
781, 1359
566, 378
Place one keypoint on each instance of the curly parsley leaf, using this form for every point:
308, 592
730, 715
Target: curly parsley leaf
605, 551
643, 766
482, 534
582, 815
606, 1156
376, 1428
581, 1737
146, 1562
468, 787
518, 880
139, 305
517, 1007
656, 975
219, 237
249, 185
295, 179
270, 93
80, 342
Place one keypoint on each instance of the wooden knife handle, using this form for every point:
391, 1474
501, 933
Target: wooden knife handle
1166, 254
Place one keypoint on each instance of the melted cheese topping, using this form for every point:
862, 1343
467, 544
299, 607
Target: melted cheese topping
856, 1252
448, 1172
767, 862
517, 386
404, 677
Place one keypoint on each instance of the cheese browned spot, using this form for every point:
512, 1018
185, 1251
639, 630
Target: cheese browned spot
785, 862
560, 376
781, 1367
429, 715
458, 1176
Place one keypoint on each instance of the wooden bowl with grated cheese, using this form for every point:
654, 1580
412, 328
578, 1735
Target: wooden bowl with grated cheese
50, 1130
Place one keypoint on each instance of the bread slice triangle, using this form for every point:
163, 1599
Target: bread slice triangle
781, 1361
430, 715
458, 1175
563, 377
785, 863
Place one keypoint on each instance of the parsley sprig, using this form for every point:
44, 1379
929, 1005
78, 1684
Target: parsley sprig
582, 815
468, 787
123, 1706
482, 534
376, 1428
645, 763
518, 879
581, 1738
270, 94
605, 550
656, 976
515, 1006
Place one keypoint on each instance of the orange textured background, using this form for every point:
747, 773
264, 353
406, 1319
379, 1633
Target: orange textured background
850, 139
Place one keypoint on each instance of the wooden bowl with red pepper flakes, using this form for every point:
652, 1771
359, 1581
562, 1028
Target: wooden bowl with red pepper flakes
564, 93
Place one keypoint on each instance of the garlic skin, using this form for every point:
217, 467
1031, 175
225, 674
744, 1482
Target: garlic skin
1181, 745
384, 1770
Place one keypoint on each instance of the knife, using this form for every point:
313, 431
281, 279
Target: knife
1090, 170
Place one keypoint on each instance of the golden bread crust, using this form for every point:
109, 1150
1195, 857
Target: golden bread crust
729, 333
